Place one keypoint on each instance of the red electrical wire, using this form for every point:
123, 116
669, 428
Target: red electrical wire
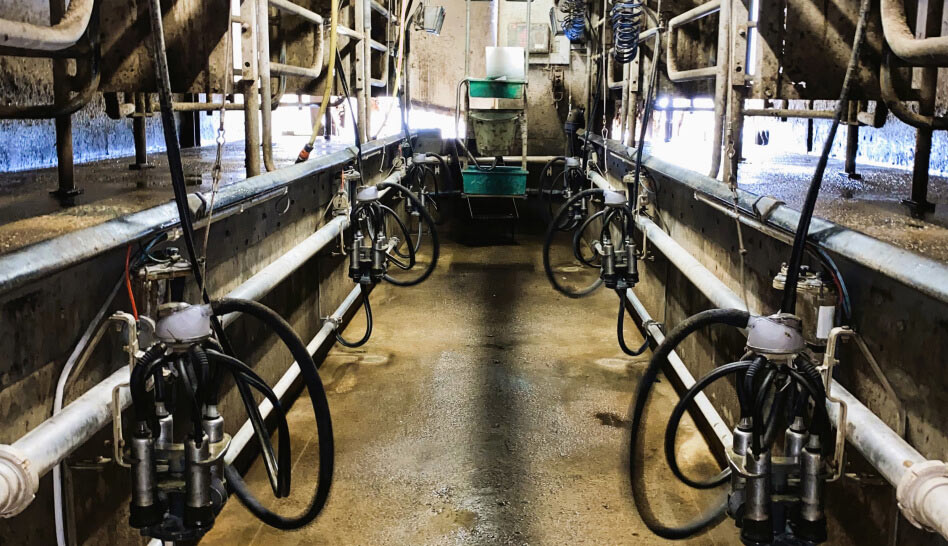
128, 282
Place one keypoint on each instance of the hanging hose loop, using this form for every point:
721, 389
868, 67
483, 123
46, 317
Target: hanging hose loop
674, 421
574, 22
320, 404
548, 242
426, 218
368, 323
728, 317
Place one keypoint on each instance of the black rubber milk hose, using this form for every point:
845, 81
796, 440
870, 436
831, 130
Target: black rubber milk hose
317, 395
728, 317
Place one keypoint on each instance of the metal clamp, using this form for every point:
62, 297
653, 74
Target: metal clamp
334, 320
765, 205
118, 439
829, 362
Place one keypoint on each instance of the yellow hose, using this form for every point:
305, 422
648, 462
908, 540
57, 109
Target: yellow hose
330, 78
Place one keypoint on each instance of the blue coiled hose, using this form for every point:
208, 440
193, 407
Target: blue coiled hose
574, 22
627, 23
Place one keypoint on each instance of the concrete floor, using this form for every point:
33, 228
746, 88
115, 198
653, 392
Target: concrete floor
485, 409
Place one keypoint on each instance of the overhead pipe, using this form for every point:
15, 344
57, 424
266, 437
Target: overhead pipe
921, 484
788, 113
920, 52
25, 461
904, 114
62, 35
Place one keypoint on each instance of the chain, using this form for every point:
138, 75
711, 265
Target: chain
216, 170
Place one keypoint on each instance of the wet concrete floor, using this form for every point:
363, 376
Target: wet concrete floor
485, 409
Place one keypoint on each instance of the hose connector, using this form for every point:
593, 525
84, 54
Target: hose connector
18, 481
304, 153
915, 491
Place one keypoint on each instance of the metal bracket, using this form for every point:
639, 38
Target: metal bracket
765, 205
829, 362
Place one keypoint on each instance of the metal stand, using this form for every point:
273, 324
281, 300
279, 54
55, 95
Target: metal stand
67, 191
139, 134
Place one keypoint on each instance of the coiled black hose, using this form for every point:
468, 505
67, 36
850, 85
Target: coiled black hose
729, 317
574, 22
448, 173
671, 430
627, 23
320, 404
144, 367
811, 380
578, 239
412, 248
368, 323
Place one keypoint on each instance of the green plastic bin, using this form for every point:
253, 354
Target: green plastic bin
495, 89
500, 181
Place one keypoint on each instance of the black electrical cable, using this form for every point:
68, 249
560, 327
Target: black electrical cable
674, 421
548, 243
368, 323
789, 302
729, 317
620, 327
317, 395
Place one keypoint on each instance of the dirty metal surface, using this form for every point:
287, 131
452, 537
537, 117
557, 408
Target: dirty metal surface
485, 409
807, 53
195, 38
871, 205
28, 215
